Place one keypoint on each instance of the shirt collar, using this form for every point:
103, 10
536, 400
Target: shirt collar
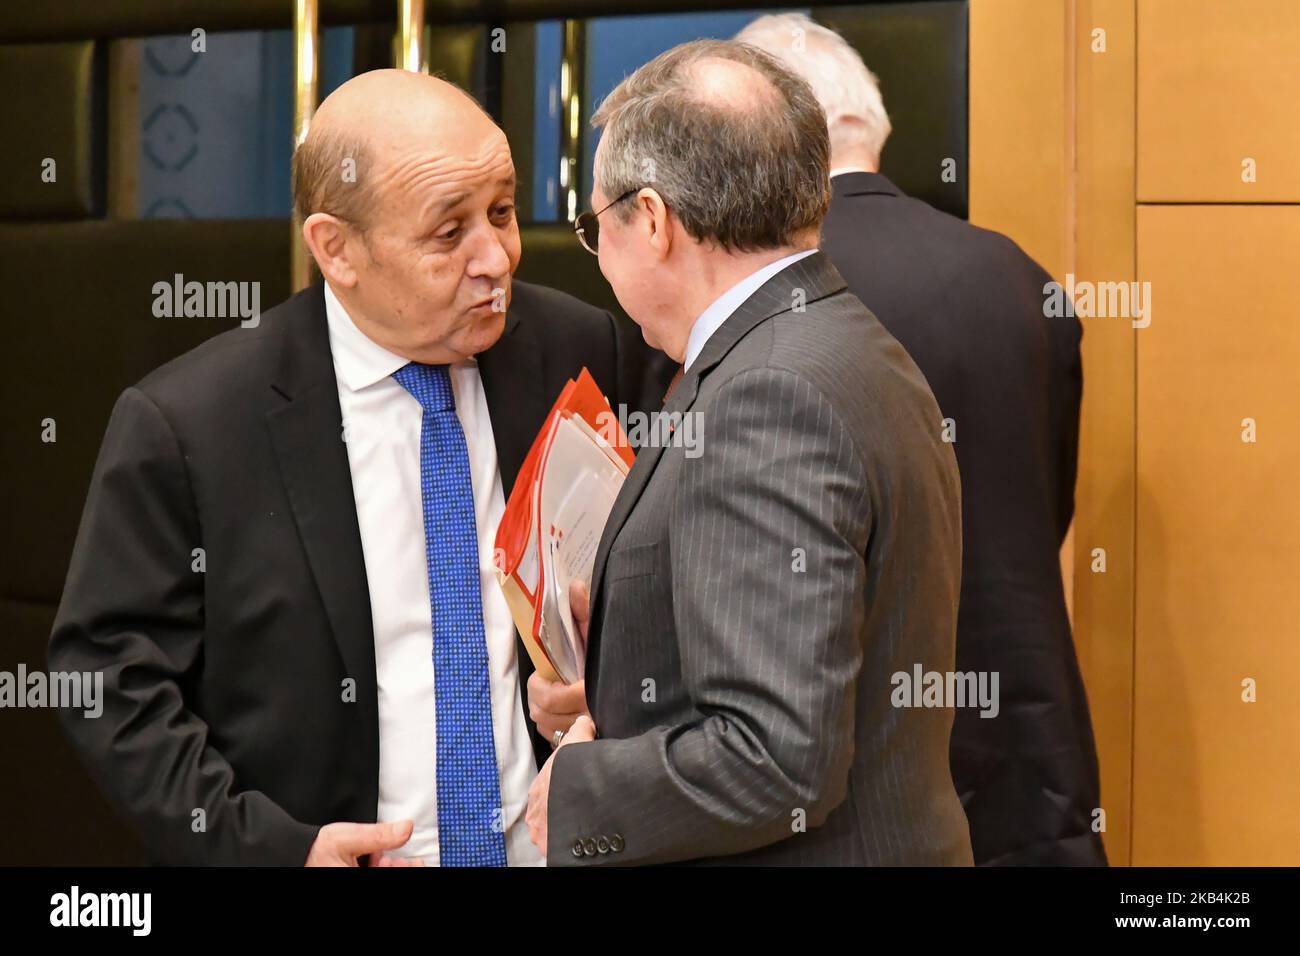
359, 361
841, 170
720, 310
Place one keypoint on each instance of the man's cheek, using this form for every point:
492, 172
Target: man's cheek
514, 249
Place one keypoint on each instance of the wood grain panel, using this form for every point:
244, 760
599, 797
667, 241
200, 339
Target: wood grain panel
1219, 82
1218, 531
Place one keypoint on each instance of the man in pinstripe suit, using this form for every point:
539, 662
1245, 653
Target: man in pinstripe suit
752, 605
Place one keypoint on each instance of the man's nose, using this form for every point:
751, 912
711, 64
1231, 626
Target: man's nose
488, 257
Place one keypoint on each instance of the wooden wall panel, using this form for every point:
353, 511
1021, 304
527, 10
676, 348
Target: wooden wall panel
1218, 532
1219, 82
1019, 121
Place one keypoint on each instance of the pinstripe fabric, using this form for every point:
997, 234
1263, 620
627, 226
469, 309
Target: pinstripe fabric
752, 603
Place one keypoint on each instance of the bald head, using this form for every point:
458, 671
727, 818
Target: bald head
407, 194
731, 85
372, 122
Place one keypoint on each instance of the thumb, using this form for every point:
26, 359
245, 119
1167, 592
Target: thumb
363, 838
580, 605
583, 729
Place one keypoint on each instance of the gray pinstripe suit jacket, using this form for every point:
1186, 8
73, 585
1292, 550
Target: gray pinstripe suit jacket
751, 604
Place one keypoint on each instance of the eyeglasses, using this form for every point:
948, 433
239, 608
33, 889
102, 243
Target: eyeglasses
587, 225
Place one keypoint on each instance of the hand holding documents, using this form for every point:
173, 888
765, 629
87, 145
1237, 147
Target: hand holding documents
553, 521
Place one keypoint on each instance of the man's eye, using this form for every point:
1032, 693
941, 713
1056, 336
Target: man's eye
448, 234
506, 211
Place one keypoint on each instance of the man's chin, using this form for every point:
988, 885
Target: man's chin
477, 334
481, 332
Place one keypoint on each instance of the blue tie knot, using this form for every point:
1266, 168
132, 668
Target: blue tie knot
429, 384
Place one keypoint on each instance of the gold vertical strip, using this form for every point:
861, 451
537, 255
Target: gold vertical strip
572, 80
306, 23
1105, 513
412, 46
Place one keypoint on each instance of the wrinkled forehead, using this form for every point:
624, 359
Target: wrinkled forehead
436, 165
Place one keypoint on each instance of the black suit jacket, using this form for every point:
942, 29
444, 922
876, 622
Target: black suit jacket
240, 708
967, 304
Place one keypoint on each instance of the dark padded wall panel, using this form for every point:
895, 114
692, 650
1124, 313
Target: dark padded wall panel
51, 107
78, 327
919, 51
54, 815
77, 19
459, 54
515, 80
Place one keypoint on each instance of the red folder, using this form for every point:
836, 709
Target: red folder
520, 540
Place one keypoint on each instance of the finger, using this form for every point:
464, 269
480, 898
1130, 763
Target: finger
541, 694
568, 698
536, 686
554, 697
580, 606
532, 826
583, 729
533, 819
548, 724
358, 839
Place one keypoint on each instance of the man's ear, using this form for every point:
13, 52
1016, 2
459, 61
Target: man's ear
656, 222
327, 238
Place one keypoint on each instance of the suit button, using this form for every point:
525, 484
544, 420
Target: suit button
577, 849
602, 845
616, 843
589, 847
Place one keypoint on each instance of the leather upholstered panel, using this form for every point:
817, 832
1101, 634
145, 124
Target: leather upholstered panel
50, 167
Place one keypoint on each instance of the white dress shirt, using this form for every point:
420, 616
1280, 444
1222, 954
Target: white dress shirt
720, 310
381, 425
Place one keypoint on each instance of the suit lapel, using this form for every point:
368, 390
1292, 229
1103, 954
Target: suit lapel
306, 433
804, 282
515, 388
647, 459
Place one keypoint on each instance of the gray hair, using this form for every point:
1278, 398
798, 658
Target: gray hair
318, 181
845, 88
747, 172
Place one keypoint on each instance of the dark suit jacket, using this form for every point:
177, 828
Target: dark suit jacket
225, 690
967, 304
752, 603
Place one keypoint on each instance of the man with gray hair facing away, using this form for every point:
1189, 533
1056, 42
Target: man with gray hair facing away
751, 605
967, 304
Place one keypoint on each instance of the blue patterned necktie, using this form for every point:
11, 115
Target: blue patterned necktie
470, 829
